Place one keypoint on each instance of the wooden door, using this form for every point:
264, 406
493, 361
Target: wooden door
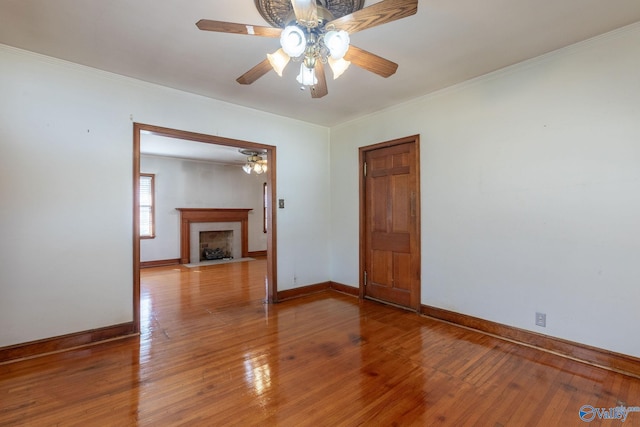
390, 223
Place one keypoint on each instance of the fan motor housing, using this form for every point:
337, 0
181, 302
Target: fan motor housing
278, 13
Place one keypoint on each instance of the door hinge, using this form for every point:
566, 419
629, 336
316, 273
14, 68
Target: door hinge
365, 278
364, 168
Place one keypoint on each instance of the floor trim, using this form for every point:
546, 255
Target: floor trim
314, 289
594, 356
345, 289
159, 263
302, 291
45, 346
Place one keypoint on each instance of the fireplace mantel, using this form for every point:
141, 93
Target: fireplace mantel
189, 215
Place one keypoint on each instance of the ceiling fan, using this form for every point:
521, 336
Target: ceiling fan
314, 33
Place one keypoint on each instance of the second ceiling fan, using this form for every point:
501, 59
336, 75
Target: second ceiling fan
314, 33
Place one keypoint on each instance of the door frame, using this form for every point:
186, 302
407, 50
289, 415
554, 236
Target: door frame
362, 152
270, 177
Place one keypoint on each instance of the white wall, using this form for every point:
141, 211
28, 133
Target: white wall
530, 191
66, 190
530, 181
191, 184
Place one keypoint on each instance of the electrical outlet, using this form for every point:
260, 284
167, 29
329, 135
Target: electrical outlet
541, 319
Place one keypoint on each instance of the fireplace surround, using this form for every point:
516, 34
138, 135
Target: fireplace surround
188, 216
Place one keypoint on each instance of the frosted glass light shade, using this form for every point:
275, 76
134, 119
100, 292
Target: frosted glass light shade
338, 66
293, 41
278, 60
306, 12
337, 42
307, 76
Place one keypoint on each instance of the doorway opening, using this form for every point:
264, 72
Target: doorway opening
270, 198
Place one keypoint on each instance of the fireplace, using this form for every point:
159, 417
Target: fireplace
193, 221
227, 237
216, 245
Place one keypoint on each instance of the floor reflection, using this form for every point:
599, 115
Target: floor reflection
212, 353
257, 373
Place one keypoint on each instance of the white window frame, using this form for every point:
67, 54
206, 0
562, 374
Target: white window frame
147, 206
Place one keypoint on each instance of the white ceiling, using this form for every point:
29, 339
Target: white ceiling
156, 145
445, 43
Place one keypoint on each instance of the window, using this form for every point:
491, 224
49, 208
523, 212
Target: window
147, 199
264, 207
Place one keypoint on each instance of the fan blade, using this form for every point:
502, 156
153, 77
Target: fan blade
374, 15
230, 27
319, 89
370, 62
306, 12
255, 73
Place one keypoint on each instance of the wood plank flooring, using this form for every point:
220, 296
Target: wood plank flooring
212, 353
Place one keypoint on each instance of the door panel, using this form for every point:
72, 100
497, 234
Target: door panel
381, 266
390, 229
394, 242
400, 215
401, 271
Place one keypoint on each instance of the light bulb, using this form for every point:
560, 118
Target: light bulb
278, 60
293, 41
337, 42
307, 76
338, 66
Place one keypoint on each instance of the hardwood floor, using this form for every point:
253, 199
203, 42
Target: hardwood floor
211, 353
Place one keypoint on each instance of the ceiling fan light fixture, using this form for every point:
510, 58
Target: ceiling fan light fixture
338, 66
307, 76
255, 162
317, 32
337, 42
278, 60
293, 41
